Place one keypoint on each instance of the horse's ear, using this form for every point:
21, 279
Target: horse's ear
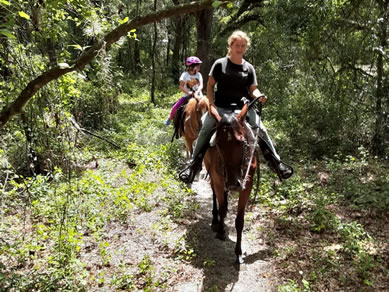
242, 115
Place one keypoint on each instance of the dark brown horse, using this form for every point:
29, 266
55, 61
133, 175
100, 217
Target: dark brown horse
231, 165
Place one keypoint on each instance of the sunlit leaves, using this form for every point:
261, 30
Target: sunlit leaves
132, 34
3, 2
63, 65
78, 47
7, 33
124, 20
216, 4
230, 5
24, 15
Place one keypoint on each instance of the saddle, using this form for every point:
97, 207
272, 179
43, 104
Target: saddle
268, 154
179, 119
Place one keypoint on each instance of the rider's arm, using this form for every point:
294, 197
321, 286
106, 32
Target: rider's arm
183, 89
210, 91
199, 91
256, 93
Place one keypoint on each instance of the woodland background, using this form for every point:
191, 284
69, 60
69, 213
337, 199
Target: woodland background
86, 85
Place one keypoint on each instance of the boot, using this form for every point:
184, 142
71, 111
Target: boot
188, 174
283, 170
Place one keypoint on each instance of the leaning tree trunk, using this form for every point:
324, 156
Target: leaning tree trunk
203, 25
137, 68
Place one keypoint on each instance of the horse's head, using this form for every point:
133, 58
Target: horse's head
234, 148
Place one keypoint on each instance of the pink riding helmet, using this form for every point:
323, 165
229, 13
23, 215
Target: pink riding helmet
192, 61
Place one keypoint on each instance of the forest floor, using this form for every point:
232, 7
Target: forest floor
184, 255
280, 253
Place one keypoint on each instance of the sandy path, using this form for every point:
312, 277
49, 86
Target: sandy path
221, 274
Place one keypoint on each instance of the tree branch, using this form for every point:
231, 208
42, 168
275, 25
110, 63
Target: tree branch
82, 130
16, 107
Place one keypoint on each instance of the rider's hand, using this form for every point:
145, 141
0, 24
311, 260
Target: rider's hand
263, 99
213, 112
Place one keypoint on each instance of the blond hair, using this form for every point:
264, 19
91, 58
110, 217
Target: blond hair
238, 34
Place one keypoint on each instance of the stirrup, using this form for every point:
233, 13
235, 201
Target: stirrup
187, 175
283, 174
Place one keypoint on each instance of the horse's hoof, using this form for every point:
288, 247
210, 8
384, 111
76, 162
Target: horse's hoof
239, 260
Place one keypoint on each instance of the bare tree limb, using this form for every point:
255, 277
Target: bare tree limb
82, 130
16, 107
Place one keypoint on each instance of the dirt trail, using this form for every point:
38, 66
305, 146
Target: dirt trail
209, 267
253, 275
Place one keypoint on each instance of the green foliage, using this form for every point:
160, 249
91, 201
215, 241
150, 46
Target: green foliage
364, 181
316, 207
321, 218
313, 59
183, 250
291, 286
68, 208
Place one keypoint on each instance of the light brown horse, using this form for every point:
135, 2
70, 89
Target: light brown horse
231, 165
194, 110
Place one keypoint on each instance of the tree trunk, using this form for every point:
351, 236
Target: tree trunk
379, 138
203, 25
179, 29
154, 41
5, 72
136, 56
51, 53
179, 22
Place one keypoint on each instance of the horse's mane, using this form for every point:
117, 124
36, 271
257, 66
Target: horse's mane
191, 105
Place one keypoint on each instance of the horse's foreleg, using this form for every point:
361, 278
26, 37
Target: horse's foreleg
239, 223
221, 232
189, 147
226, 200
215, 212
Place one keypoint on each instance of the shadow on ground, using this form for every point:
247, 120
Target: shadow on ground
217, 258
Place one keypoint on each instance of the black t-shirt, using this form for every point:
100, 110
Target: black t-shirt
233, 81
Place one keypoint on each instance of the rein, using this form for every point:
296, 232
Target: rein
245, 161
250, 160
251, 104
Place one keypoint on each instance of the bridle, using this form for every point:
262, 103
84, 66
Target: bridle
247, 153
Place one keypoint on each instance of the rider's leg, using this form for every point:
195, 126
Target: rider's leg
281, 169
204, 135
266, 138
175, 107
188, 174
